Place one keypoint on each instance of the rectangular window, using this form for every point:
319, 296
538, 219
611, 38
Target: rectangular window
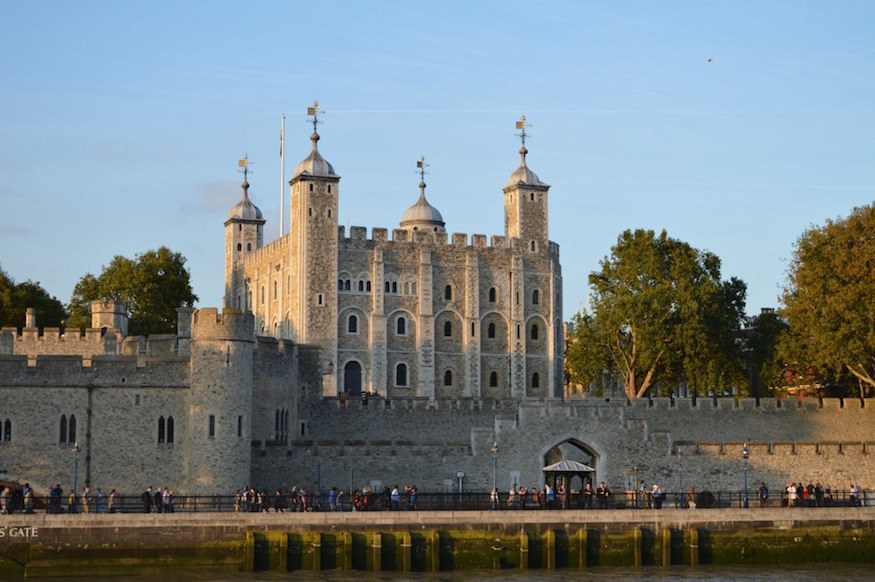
136, 399
240, 426
212, 426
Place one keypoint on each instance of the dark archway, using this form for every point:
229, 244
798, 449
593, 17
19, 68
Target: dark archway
573, 450
352, 378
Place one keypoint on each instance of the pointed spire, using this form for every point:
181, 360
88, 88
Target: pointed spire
522, 125
420, 163
314, 112
244, 163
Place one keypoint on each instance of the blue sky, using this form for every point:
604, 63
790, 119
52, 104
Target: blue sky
734, 125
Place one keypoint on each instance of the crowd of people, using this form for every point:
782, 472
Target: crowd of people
811, 495
250, 499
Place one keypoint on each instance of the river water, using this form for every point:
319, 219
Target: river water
783, 573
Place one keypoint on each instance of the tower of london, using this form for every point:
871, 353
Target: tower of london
420, 313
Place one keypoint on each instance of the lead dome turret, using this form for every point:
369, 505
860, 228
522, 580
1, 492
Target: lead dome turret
245, 209
422, 215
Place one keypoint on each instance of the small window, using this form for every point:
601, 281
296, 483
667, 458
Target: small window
239, 247
394, 287
319, 299
275, 286
490, 331
361, 286
340, 284
532, 196
239, 227
387, 286
535, 297
248, 247
160, 430
169, 430
368, 286
493, 379
137, 396
310, 211
329, 213
353, 324
535, 331
211, 426
407, 288
518, 332
239, 425
63, 435
536, 380
492, 294
401, 375
448, 293
347, 285
329, 188
448, 378
534, 247
71, 432
401, 326
413, 288
7, 430
448, 329
311, 187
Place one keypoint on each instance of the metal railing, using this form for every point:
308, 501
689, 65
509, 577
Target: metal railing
423, 501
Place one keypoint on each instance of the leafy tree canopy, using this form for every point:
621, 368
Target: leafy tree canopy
152, 286
660, 316
828, 301
15, 298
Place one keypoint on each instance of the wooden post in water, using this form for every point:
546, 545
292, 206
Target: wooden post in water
249, 564
432, 550
375, 552
582, 539
524, 550
694, 547
666, 546
278, 551
344, 550
636, 546
313, 551
402, 549
550, 549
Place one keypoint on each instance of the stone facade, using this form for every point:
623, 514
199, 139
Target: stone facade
340, 357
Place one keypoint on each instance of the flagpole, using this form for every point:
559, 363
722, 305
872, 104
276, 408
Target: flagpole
282, 174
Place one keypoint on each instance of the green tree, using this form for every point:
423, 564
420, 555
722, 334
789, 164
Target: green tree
761, 344
660, 316
15, 298
828, 300
151, 286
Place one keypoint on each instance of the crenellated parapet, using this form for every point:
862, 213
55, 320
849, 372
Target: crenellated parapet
230, 324
52, 341
97, 371
380, 237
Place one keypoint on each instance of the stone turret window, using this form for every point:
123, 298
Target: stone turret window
211, 426
63, 432
493, 380
311, 187
361, 286
492, 294
448, 293
394, 287
490, 331
535, 331
347, 285
535, 297
534, 246
536, 380
401, 375
7, 430
248, 247
368, 286
239, 247
448, 329
401, 326
161, 430
165, 430
352, 324
448, 378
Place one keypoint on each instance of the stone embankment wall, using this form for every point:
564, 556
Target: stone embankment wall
42, 545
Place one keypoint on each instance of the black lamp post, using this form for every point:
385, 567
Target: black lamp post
681, 486
75, 450
745, 453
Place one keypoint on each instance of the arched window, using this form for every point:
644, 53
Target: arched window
534, 248
413, 288
7, 430
401, 375
448, 378
248, 246
346, 285
239, 247
169, 430
448, 293
361, 286
448, 329
160, 430
71, 430
311, 187
368, 286
394, 287
387, 286
340, 284
401, 326
535, 297
492, 294
493, 379
490, 331
63, 435
352, 325
532, 196
536, 380
535, 331
274, 289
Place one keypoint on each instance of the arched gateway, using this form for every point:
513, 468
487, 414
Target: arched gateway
570, 474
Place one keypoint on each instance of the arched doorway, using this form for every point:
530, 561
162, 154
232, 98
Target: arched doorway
574, 450
352, 378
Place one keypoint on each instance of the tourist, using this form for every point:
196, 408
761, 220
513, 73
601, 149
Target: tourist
642, 489
855, 495
110, 502
493, 499
562, 494
549, 495
86, 499
587, 495
55, 495
411, 499
396, 499
691, 498
603, 494
5, 494
158, 501
536, 498
332, 499
763, 494
521, 493
791, 495
28, 498
146, 498
340, 500
168, 500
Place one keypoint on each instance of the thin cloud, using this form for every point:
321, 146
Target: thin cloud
213, 197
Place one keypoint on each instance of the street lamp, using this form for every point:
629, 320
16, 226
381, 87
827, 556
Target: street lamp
75, 450
745, 453
681, 486
494, 450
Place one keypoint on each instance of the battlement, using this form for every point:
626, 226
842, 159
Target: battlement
230, 325
97, 371
267, 250
53, 342
359, 235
